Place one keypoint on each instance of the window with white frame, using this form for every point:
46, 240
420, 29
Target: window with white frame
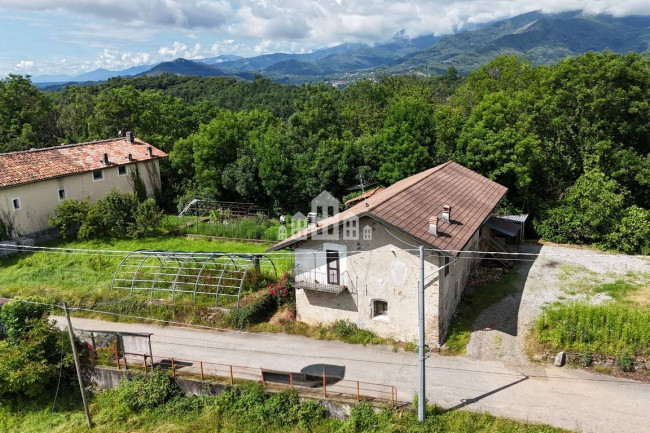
122, 170
98, 175
379, 308
16, 203
62, 193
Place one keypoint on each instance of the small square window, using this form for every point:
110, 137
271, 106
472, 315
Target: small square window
379, 308
122, 170
16, 203
61, 194
98, 175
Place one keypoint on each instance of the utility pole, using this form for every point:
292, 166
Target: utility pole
421, 345
77, 366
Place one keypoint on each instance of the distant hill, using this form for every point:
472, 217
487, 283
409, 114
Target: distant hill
184, 67
543, 38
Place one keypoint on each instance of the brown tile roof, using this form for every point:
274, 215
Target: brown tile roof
408, 204
17, 168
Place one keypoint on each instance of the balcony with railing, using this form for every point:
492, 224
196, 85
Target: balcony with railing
320, 281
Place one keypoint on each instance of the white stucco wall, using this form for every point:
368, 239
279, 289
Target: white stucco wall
383, 268
39, 199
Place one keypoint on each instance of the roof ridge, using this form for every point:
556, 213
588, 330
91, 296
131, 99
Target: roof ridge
389, 196
63, 146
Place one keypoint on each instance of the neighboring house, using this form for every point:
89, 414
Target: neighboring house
34, 182
372, 280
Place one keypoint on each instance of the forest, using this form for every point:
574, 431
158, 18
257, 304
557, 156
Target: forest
571, 141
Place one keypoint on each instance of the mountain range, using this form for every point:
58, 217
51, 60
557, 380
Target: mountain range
542, 38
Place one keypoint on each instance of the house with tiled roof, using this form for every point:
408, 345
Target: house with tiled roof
362, 265
34, 182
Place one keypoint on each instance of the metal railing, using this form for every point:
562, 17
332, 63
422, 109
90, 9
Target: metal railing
319, 281
303, 383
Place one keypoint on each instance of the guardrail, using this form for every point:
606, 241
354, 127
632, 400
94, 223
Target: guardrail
305, 383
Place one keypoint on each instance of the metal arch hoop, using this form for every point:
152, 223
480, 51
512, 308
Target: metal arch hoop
198, 277
232, 260
241, 283
160, 268
117, 271
135, 274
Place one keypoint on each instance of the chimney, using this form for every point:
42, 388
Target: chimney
312, 220
106, 159
130, 157
129, 137
149, 151
433, 225
446, 214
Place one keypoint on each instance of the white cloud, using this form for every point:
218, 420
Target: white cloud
179, 49
25, 64
177, 13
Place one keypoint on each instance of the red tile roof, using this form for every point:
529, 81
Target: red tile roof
408, 204
17, 168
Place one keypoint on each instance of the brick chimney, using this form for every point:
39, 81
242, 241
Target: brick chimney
129, 137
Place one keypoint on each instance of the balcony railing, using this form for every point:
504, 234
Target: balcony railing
318, 281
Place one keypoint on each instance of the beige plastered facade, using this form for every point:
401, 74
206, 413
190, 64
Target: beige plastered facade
38, 200
384, 268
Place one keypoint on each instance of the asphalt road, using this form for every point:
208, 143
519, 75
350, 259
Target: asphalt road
561, 397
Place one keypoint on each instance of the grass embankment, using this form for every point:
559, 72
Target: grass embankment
472, 304
249, 410
618, 329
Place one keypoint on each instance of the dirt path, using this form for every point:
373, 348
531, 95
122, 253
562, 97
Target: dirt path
559, 274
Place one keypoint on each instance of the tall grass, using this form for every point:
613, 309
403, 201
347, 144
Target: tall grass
609, 329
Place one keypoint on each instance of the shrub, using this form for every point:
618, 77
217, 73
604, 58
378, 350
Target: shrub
18, 318
632, 234
118, 214
69, 216
625, 361
256, 312
29, 361
282, 290
351, 333
587, 212
363, 418
144, 391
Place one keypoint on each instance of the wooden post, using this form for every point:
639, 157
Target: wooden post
126, 366
77, 366
393, 396
144, 357
291, 380
261, 375
324, 385
358, 393
117, 360
201, 366
232, 379
173, 369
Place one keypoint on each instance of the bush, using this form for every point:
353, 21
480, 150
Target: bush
351, 333
632, 234
18, 318
69, 216
587, 212
256, 312
144, 391
29, 359
625, 361
118, 214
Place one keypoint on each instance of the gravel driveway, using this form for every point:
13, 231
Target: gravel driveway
559, 274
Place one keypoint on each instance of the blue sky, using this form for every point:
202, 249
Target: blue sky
41, 37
